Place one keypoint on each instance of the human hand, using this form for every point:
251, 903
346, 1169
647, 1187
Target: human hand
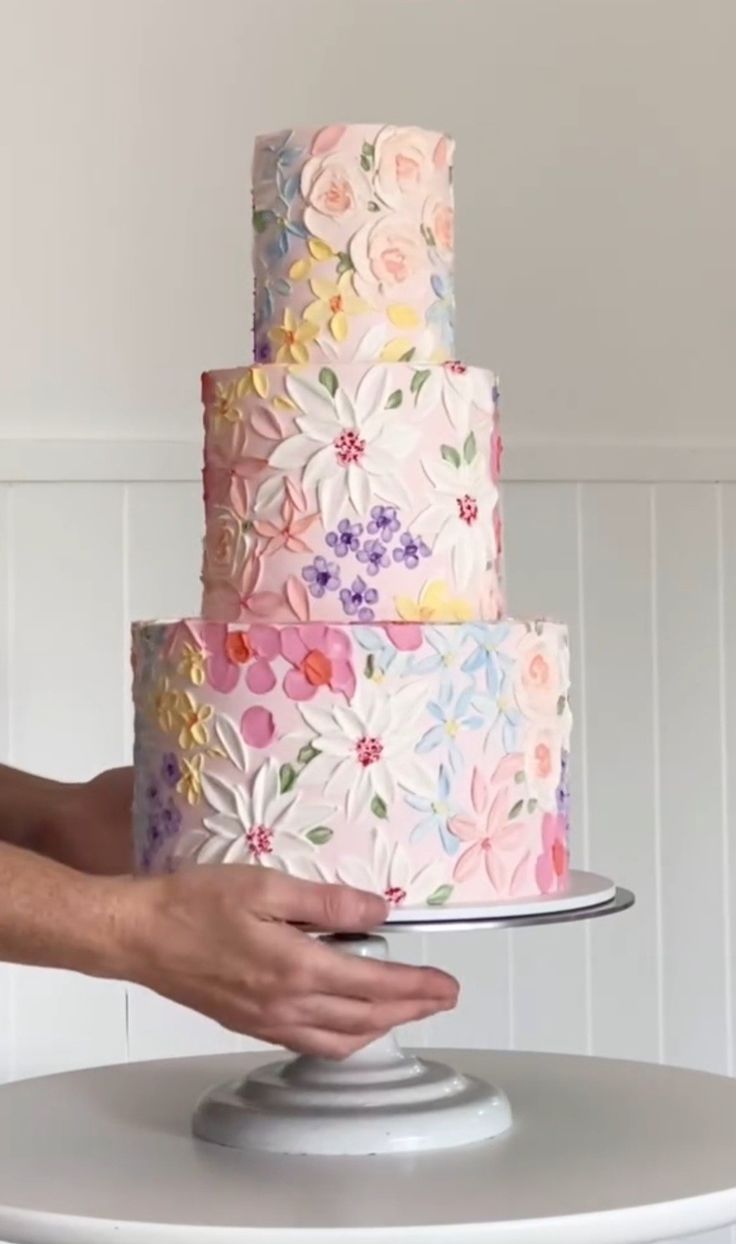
222, 941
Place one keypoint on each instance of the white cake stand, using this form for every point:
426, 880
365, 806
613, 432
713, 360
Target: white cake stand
383, 1100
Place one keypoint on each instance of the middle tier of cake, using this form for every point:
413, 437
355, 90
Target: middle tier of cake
363, 493
426, 763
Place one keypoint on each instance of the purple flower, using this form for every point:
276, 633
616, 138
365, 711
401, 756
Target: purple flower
345, 539
153, 835
374, 555
384, 522
154, 793
263, 351
322, 576
563, 795
412, 548
170, 819
170, 770
357, 599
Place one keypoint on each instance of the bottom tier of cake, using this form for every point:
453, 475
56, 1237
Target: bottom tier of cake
427, 763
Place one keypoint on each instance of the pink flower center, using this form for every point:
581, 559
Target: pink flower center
467, 508
349, 447
539, 670
338, 197
407, 170
260, 840
394, 895
368, 750
456, 367
543, 759
395, 263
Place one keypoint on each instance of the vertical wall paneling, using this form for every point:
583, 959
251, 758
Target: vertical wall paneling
65, 696
550, 993
7, 973
728, 743
617, 615
691, 789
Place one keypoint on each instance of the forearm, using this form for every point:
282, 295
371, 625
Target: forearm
31, 807
53, 916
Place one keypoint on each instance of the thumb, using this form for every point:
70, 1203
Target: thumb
323, 907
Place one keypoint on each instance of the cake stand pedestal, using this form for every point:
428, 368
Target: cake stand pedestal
383, 1100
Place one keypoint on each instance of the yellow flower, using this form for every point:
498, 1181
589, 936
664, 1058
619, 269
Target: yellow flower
190, 783
166, 706
336, 300
227, 396
434, 605
192, 664
292, 339
194, 730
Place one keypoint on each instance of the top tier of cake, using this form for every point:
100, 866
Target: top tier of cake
353, 245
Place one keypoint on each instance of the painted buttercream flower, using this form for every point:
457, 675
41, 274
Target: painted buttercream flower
292, 338
191, 664
367, 747
349, 447
346, 539
540, 677
433, 605
390, 872
357, 600
336, 193
438, 218
389, 258
230, 651
382, 652
383, 522
226, 545
459, 518
166, 706
170, 819
321, 657
405, 164
288, 529
170, 768
463, 391
553, 863
495, 841
409, 550
321, 576
452, 719
335, 301
190, 783
193, 722
489, 654
448, 645
223, 399
260, 825
437, 813
374, 556
257, 726
542, 763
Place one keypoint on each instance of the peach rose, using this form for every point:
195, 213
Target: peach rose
542, 763
540, 678
404, 163
390, 255
439, 218
335, 195
224, 548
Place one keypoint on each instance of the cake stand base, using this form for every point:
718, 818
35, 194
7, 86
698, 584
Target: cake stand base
378, 1101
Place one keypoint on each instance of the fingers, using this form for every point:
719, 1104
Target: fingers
352, 1016
377, 981
332, 908
320, 1043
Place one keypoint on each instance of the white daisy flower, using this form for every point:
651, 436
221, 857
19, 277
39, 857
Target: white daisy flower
459, 519
349, 447
389, 872
461, 390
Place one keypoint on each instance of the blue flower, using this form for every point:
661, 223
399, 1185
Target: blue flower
448, 643
345, 539
383, 522
412, 548
487, 656
170, 769
451, 722
441, 314
374, 555
437, 815
357, 599
385, 655
321, 576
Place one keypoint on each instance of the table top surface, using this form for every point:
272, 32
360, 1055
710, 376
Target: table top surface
601, 1152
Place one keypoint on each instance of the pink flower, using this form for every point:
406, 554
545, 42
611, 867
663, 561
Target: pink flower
405, 636
496, 455
553, 863
230, 649
439, 219
539, 677
405, 164
496, 839
321, 658
390, 255
295, 523
257, 726
335, 193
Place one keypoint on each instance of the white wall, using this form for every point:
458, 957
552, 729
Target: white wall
595, 271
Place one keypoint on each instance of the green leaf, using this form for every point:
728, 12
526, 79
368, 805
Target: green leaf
370, 665
395, 400
344, 263
561, 705
367, 156
320, 835
261, 220
328, 379
516, 809
539, 627
406, 358
531, 805
378, 807
418, 381
440, 896
450, 455
287, 778
372, 207
428, 235
306, 753
519, 777
469, 448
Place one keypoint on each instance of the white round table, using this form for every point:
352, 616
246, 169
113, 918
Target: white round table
601, 1152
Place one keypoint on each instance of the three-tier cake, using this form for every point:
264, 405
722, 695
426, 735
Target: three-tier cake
354, 705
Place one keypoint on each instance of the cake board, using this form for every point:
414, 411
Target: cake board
382, 1100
